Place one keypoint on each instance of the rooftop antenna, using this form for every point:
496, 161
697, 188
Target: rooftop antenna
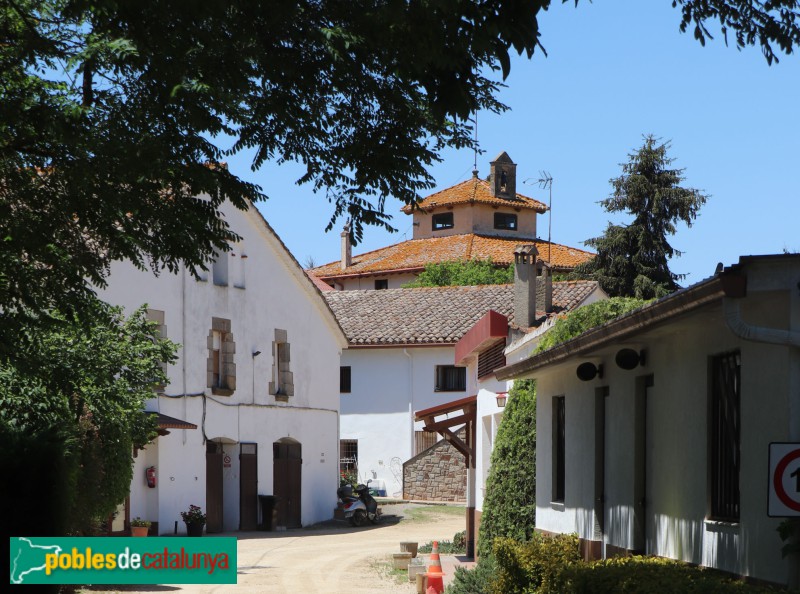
546, 183
475, 148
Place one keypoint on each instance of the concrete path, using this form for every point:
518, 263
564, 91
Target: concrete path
332, 559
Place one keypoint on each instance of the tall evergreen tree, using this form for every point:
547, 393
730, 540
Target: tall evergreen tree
632, 260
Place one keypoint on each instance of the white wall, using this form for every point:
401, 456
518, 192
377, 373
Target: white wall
277, 295
387, 386
676, 457
475, 218
367, 283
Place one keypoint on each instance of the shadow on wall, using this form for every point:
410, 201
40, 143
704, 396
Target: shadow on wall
677, 538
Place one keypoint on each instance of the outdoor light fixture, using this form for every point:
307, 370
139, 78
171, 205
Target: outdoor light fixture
588, 371
629, 359
256, 354
501, 399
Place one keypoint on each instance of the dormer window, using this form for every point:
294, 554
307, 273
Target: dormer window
442, 220
505, 221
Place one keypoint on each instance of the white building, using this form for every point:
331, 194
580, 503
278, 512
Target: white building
402, 359
252, 406
654, 430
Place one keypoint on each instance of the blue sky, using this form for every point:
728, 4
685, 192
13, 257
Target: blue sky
615, 70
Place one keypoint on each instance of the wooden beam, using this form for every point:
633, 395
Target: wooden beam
458, 444
447, 423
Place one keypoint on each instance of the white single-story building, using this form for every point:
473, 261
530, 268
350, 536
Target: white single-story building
654, 429
252, 405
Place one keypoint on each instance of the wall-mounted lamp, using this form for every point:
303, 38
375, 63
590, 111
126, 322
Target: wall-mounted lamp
501, 399
588, 371
256, 354
629, 359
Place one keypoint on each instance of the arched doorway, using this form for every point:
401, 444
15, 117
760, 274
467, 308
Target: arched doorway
287, 463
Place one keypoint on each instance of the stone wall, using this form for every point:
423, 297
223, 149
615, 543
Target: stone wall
437, 474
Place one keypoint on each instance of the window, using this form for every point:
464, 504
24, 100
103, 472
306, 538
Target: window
450, 378
348, 455
442, 220
239, 258
505, 220
282, 384
559, 447
221, 369
219, 269
157, 316
382, 283
344, 379
724, 432
491, 359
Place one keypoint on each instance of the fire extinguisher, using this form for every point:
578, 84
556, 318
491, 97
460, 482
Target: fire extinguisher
150, 474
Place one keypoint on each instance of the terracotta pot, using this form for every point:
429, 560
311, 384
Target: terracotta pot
139, 530
409, 547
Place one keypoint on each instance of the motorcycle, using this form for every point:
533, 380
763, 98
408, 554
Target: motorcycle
362, 508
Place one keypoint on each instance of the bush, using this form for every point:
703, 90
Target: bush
509, 508
458, 273
538, 566
644, 575
478, 580
457, 547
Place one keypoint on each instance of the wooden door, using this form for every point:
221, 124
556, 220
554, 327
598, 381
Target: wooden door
213, 487
287, 466
248, 486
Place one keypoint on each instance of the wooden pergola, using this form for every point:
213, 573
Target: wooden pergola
432, 417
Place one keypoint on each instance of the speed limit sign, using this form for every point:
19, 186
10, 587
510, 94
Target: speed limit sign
784, 480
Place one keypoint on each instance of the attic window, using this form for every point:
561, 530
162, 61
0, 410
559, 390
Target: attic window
505, 221
382, 283
442, 220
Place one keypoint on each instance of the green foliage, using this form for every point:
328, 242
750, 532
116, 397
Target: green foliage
458, 273
509, 508
645, 575
91, 382
478, 580
537, 566
458, 546
584, 318
632, 259
348, 477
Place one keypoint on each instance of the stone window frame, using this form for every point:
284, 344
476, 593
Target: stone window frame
158, 316
225, 384
282, 384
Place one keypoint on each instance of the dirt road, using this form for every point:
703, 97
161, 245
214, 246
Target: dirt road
332, 559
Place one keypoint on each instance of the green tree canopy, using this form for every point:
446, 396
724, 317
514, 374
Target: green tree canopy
83, 389
111, 112
632, 259
459, 273
509, 508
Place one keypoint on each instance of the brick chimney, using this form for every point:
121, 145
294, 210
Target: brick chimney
347, 247
503, 177
525, 285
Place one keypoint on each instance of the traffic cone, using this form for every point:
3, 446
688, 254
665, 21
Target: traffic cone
435, 573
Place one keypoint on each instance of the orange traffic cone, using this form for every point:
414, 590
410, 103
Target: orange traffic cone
435, 573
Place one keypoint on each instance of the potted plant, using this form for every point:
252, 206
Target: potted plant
194, 519
140, 527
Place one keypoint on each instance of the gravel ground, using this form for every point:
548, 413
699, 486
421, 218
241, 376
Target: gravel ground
330, 558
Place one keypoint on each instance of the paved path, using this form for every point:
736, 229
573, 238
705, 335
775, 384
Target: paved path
333, 559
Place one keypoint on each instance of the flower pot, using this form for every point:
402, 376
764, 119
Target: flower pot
409, 547
139, 530
401, 560
194, 528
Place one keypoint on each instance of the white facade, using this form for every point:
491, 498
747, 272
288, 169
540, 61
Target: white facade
387, 386
266, 297
638, 454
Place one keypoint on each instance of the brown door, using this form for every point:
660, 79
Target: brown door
287, 464
248, 486
213, 487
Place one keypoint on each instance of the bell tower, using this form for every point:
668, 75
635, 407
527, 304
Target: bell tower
503, 177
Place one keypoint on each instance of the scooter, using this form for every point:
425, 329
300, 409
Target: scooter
361, 508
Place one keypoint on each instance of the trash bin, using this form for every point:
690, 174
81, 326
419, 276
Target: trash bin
269, 512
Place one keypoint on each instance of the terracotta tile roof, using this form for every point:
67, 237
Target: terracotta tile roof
432, 315
474, 190
414, 254
322, 286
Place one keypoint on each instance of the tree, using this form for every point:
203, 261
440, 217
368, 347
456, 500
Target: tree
458, 273
113, 114
510, 506
632, 259
73, 413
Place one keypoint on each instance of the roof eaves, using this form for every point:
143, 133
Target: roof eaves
653, 313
